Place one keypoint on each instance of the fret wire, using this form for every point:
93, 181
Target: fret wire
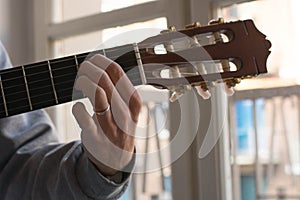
34, 104
136, 73
53, 61
44, 94
28, 75
3, 97
132, 80
33, 97
43, 102
18, 69
66, 89
41, 80
26, 86
104, 52
51, 75
58, 69
32, 66
76, 61
139, 63
53, 70
52, 82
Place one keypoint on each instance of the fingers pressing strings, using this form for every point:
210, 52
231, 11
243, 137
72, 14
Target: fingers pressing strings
97, 85
109, 75
101, 79
123, 85
93, 92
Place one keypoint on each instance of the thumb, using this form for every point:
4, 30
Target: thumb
83, 118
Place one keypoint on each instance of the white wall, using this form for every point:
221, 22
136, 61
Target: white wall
16, 29
4, 8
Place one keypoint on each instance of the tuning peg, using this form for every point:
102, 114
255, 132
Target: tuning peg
175, 96
205, 94
232, 82
171, 29
229, 90
229, 84
194, 25
217, 21
177, 92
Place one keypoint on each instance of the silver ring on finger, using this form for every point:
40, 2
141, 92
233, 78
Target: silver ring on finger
101, 113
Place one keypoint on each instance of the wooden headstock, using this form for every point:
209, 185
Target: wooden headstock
200, 56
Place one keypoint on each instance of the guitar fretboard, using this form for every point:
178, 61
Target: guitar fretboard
47, 83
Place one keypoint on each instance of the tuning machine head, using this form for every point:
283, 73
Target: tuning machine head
203, 91
216, 21
171, 29
178, 91
230, 84
233, 82
194, 25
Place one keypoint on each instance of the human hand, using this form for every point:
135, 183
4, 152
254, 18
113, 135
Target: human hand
107, 137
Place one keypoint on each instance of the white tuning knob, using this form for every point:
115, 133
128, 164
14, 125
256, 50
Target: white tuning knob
178, 92
175, 96
228, 90
205, 94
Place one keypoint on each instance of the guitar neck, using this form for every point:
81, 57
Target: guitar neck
183, 61
39, 85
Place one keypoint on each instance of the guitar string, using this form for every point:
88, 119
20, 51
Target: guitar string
185, 74
44, 94
107, 51
68, 59
47, 94
71, 73
74, 66
79, 56
72, 58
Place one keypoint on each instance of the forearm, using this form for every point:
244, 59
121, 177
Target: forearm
32, 168
57, 172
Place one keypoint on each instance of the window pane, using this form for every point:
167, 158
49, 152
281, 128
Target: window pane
91, 41
109, 5
64, 10
278, 137
278, 20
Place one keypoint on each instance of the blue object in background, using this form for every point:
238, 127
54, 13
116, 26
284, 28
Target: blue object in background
245, 140
244, 117
245, 123
247, 187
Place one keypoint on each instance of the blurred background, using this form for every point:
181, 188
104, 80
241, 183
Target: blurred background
258, 153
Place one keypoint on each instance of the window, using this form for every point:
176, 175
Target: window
273, 172
277, 19
66, 10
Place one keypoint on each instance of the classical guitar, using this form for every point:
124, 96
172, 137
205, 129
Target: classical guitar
174, 60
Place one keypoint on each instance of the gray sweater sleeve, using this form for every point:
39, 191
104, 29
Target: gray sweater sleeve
33, 165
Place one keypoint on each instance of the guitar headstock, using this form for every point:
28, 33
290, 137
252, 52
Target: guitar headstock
204, 55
